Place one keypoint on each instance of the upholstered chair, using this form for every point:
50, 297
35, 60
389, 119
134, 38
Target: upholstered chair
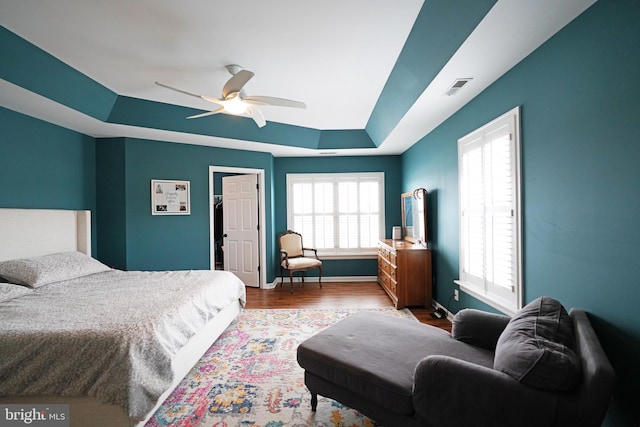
293, 257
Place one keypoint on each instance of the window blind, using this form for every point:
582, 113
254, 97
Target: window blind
337, 213
489, 209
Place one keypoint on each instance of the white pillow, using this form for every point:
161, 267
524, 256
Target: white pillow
10, 291
42, 270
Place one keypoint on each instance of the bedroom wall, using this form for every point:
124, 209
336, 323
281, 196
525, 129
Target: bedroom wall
580, 181
390, 165
45, 166
142, 241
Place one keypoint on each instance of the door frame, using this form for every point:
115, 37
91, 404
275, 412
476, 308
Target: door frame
262, 233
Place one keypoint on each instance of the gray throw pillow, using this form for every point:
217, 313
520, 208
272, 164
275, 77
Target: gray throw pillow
537, 347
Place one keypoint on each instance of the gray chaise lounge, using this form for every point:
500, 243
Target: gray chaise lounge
497, 371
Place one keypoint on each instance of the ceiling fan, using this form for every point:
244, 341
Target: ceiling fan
234, 101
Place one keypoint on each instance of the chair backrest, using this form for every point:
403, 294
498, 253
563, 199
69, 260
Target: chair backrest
291, 242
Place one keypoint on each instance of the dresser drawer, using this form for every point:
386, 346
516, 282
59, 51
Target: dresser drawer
393, 287
386, 254
392, 257
383, 279
387, 281
383, 253
384, 265
392, 273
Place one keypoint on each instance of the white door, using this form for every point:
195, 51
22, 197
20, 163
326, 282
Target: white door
240, 227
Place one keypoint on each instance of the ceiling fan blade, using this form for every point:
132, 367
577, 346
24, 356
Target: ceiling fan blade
270, 100
257, 116
179, 90
214, 100
208, 113
237, 82
252, 101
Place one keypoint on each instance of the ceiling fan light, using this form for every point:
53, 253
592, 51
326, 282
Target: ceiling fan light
235, 105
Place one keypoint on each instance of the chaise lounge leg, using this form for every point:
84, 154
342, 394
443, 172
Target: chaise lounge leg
314, 402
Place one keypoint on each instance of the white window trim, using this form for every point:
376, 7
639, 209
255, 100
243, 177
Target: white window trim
364, 253
507, 306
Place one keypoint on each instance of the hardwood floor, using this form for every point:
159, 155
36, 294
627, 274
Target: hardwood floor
332, 295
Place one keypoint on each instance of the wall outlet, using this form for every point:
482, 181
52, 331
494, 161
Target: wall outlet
455, 294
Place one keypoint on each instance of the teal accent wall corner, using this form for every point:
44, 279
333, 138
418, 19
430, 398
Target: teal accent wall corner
111, 205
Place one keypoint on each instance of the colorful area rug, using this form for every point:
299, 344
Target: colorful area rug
250, 377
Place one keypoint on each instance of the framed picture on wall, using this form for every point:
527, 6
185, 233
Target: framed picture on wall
170, 197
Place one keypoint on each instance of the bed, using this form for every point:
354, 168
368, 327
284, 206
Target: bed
110, 344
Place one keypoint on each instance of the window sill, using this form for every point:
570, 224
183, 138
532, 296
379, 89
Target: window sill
495, 303
372, 255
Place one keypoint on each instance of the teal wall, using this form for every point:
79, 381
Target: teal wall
34, 69
390, 165
428, 48
45, 166
171, 242
111, 206
580, 179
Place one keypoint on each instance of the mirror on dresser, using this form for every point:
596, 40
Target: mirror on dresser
404, 266
414, 216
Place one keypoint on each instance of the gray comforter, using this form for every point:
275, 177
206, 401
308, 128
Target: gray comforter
110, 335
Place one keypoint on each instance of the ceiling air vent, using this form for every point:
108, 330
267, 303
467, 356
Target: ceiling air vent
457, 85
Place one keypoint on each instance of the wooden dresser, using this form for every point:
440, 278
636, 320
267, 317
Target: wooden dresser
404, 272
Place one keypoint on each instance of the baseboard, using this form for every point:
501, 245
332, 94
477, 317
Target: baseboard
351, 279
437, 306
271, 285
325, 279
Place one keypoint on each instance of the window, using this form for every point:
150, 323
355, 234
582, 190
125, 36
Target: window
490, 232
338, 214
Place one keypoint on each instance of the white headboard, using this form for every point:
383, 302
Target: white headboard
27, 233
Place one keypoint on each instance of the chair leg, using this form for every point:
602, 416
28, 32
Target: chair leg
314, 402
281, 277
291, 279
320, 276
